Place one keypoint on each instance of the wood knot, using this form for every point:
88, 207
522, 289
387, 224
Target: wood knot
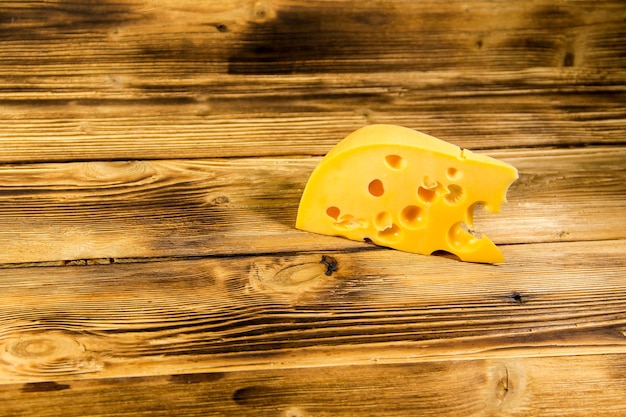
295, 278
569, 59
502, 388
221, 27
330, 263
222, 199
37, 347
216, 201
292, 277
517, 298
262, 12
508, 381
49, 353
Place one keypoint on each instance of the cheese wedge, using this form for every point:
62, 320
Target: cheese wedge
399, 188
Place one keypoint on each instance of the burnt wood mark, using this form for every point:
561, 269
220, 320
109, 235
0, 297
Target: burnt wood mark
44, 387
58, 19
196, 378
330, 263
300, 40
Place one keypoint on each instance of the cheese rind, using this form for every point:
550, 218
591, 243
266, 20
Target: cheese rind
403, 189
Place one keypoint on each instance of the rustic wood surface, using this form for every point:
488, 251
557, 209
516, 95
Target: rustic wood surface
153, 155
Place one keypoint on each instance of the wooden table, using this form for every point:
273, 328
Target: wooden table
153, 156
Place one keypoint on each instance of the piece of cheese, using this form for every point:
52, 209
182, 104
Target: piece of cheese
399, 188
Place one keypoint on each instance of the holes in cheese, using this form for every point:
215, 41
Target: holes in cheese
349, 222
375, 188
461, 237
383, 221
390, 235
426, 194
411, 217
395, 161
403, 189
333, 212
455, 194
454, 174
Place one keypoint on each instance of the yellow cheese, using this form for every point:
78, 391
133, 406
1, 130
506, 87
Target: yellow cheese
399, 188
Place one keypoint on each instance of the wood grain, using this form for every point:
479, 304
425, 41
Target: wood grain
292, 311
133, 80
266, 116
152, 156
502, 387
142, 209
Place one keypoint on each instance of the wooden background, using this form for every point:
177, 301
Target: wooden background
152, 158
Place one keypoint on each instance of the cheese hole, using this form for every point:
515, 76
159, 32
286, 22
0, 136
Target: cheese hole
411, 216
395, 161
429, 183
391, 234
461, 237
455, 194
349, 222
383, 220
454, 174
333, 212
426, 194
376, 188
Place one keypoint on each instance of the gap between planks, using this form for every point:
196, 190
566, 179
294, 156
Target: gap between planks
369, 248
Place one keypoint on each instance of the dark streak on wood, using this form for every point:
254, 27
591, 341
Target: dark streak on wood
200, 378
39, 387
39, 21
258, 396
293, 41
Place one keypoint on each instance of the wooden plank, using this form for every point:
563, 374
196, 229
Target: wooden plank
191, 37
143, 209
573, 386
184, 288
112, 81
309, 310
265, 115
